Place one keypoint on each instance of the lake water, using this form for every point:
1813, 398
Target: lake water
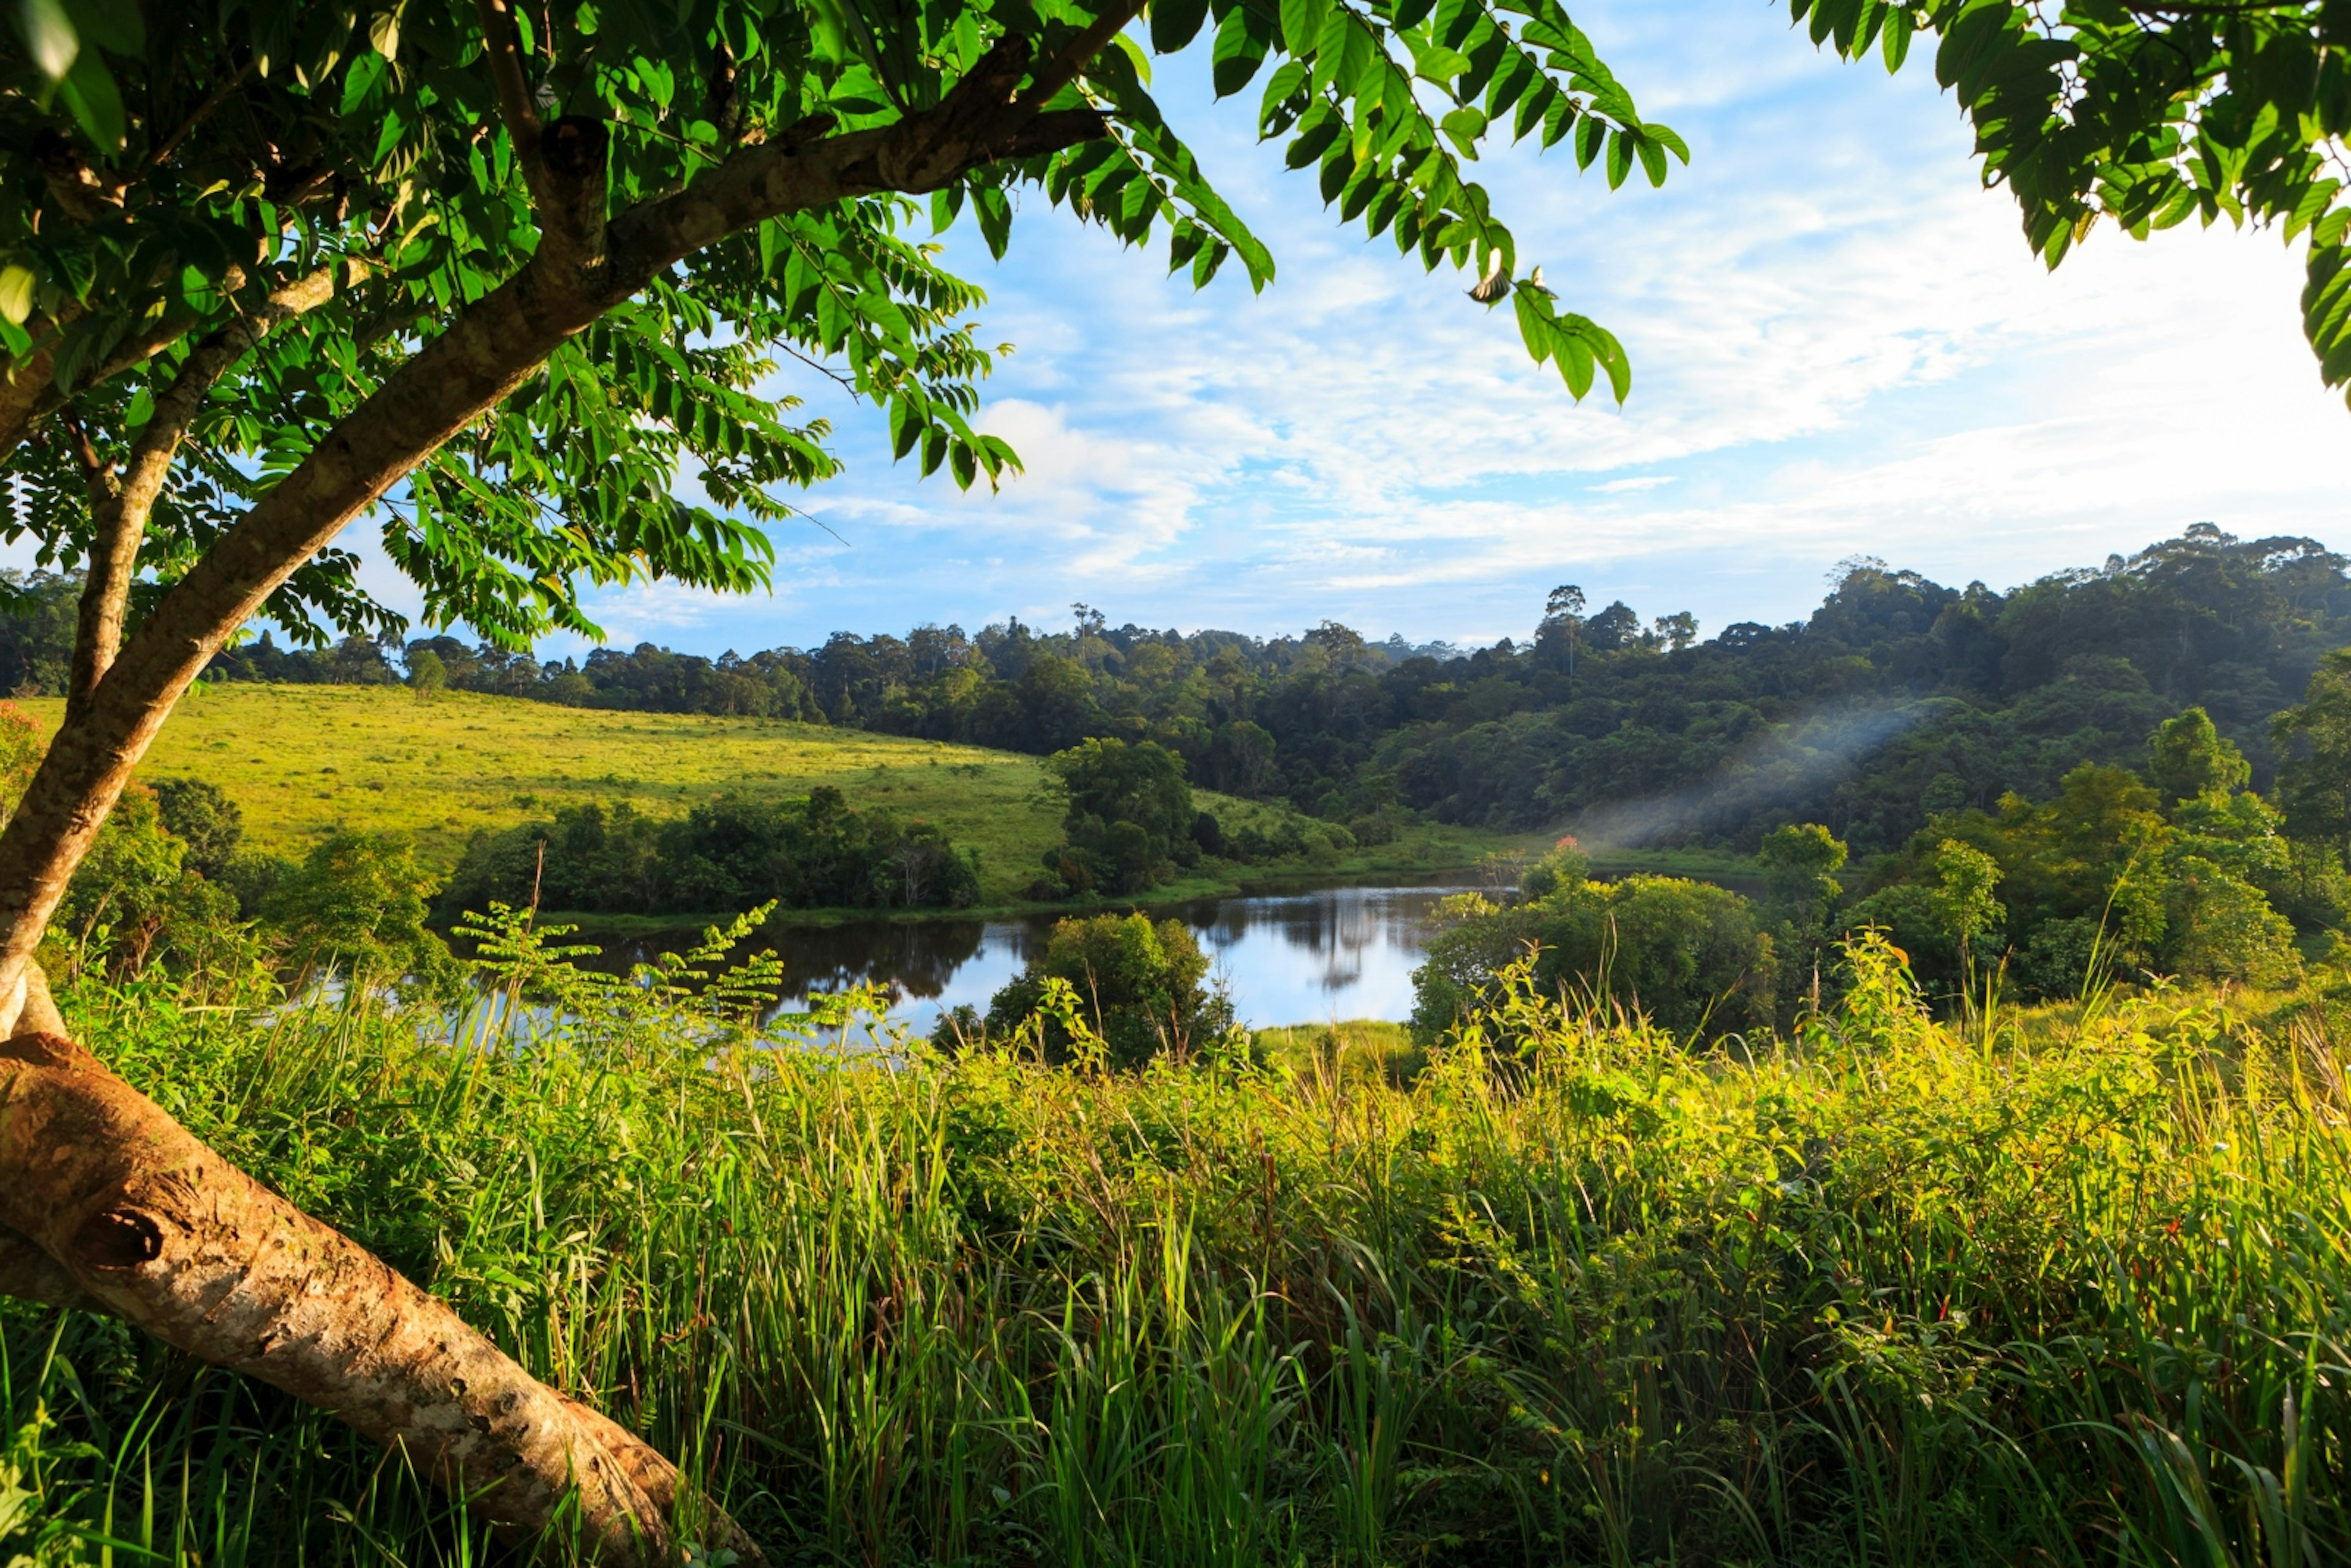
1299, 958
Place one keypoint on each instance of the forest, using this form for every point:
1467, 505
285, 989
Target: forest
1899, 697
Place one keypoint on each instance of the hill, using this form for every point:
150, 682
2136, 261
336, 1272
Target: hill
301, 762
1897, 699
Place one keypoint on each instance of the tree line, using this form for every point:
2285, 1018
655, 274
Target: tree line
1899, 697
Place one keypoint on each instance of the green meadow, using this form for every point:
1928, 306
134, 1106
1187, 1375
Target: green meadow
302, 762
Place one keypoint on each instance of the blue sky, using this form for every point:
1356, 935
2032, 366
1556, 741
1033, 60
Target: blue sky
1840, 346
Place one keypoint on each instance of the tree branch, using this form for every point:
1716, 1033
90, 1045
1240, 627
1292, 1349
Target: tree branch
1075, 54
197, 116
486, 352
979, 122
563, 163
120, 507
502, 52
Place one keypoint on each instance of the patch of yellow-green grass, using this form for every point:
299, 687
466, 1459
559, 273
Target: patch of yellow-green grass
1360, 1051
1702, 865
302, 762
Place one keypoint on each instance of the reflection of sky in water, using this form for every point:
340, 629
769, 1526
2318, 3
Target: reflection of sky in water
1307, 958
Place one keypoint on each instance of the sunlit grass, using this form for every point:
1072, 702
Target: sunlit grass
2043, 1289
302, 762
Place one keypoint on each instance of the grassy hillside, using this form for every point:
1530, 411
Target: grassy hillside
304, 761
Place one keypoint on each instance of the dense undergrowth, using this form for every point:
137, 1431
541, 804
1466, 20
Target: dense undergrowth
2059, 1287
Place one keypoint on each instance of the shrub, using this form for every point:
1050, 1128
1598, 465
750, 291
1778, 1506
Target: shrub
1141, 987
1690, 956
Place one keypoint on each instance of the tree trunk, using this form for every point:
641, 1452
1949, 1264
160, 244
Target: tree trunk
126, 1210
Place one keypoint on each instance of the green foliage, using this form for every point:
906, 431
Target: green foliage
1964, 898
357, 906
1799, 862
1130, 816
2102, 881
22, 747
1885, 1294
1134, 990
1897, 700
2187, 758
818, 852
428, 677
2314, 779
134, 899
199, 814
1687, 956
2147, 116
169, 170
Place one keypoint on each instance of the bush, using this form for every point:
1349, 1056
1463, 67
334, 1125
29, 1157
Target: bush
1141, 987
1690, 956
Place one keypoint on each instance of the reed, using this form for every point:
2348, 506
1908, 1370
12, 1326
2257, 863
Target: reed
2050, 1289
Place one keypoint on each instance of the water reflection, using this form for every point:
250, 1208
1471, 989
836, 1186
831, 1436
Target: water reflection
1302, 957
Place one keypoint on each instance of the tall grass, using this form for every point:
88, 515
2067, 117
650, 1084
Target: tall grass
2047, 1289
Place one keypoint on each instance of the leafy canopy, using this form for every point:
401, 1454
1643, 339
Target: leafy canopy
166, 170
2148, 113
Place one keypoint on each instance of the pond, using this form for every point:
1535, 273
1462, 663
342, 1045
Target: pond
1313, 956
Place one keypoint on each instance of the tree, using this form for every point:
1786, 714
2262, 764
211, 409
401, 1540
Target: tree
1966, 898
1800, 866
1130, 813
357, 905
428, 677
2314, 781
2149, 114
2187, 759
200, 814
493, 273
1144, 988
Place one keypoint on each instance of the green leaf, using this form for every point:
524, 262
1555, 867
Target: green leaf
49, 37
994, 210
1591, 135
1620, 158
17, 293
1240, 49
1174, 23
1302, 22
1652, 160
1896, 41
1464, 127
90, 97
1135, 56
115, 25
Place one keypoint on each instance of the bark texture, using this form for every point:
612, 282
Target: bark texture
138, 1215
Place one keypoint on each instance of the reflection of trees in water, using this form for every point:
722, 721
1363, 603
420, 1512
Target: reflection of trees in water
1331, 939
913, 959
1341, 928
